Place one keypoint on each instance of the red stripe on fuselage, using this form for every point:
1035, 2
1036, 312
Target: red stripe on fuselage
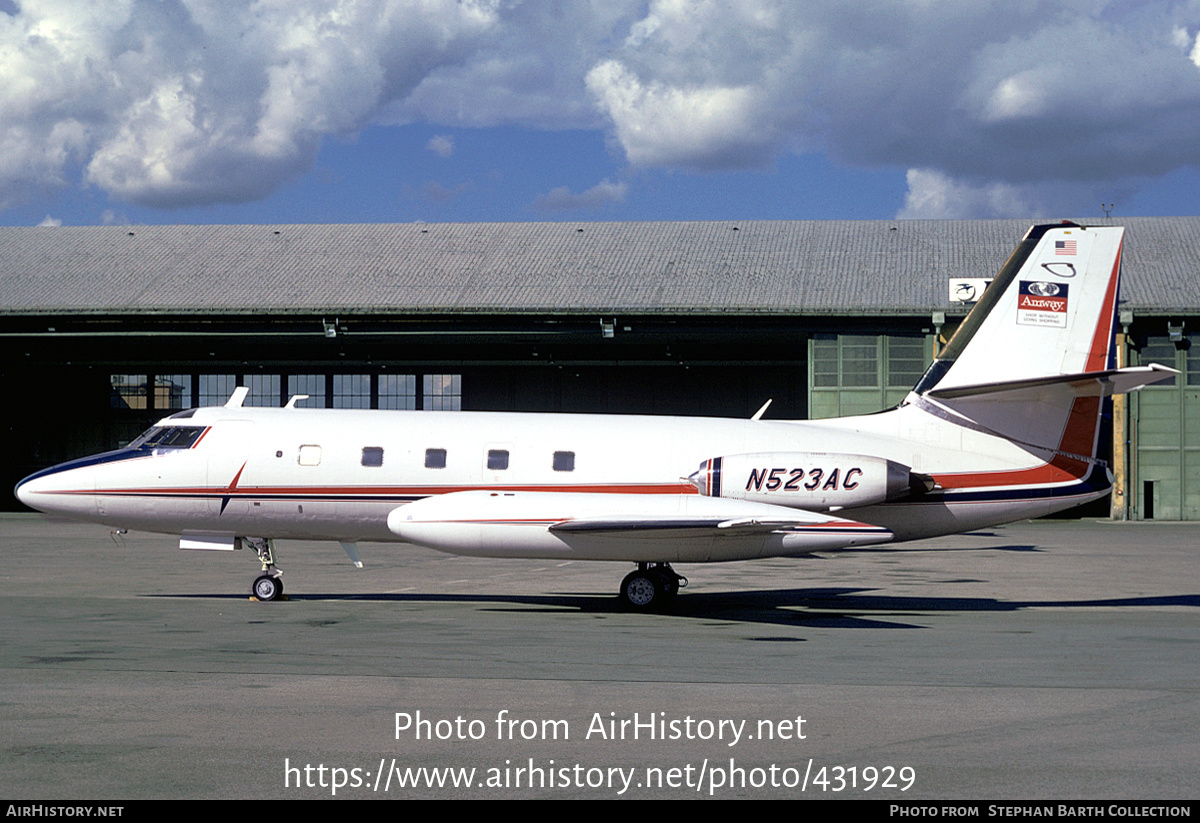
385, 491
1079, 437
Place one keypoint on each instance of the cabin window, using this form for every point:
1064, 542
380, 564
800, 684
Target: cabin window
497, 459
372, 456
169, 437
435, 458
564, 461
310, 456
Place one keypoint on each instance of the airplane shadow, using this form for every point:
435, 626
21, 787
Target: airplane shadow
845, 608
902, 549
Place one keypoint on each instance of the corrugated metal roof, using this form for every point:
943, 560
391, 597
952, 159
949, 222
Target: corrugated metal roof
740, 267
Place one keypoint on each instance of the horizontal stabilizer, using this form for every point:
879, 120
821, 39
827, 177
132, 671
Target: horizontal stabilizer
1085, 384
1045, 413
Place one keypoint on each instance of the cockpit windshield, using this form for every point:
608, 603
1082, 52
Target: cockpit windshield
168, 437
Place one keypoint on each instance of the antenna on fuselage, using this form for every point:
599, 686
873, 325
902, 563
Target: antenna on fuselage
291, 404
237, 398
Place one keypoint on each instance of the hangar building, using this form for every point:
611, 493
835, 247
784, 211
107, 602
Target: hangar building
108, 328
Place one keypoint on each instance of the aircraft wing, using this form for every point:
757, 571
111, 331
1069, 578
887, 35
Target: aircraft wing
595, 526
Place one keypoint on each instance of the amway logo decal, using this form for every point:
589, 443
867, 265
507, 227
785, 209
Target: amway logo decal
1042, 304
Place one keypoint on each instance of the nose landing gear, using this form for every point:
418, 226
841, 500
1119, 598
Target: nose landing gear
267, 586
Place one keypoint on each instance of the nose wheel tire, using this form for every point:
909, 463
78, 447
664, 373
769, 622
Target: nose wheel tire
267, 587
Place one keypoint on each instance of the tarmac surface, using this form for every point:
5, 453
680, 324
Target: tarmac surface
1056, 660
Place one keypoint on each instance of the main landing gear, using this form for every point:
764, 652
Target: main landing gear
267, 586
651, 586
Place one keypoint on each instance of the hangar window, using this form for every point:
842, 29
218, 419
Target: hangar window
435, 458
215, 389
264, 390
442, 392
906, 361
128, 391
311, 384
497, 459
1162, 351
1192, 361
372, 456
859, 374
859, 367
564, 461
397, 391
172, 391
352, 391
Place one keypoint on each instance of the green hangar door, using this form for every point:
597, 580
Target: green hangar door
1167, 434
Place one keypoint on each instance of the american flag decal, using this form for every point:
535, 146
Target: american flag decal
1064, 248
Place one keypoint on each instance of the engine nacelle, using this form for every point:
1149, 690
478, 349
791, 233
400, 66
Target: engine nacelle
806, 480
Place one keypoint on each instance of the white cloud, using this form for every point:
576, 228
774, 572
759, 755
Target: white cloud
1022, 95
441, 145
707, 127
49, 221
562, 199
528, 69
985, 93
181, 102
933, 195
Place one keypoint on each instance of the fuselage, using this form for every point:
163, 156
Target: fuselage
337, 474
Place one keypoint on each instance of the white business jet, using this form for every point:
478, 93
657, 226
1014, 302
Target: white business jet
1006, 424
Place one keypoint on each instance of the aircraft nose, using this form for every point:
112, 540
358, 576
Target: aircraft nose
55, 490
32, 491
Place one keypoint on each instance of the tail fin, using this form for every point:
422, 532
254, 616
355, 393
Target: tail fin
1049, 312
1034, 359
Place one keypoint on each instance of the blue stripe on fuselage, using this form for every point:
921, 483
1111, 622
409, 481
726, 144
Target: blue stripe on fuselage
92, 460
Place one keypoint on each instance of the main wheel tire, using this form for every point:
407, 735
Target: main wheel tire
640, 589
267, 588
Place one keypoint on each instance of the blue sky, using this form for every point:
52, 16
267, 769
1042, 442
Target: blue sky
387, 174
173, 111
